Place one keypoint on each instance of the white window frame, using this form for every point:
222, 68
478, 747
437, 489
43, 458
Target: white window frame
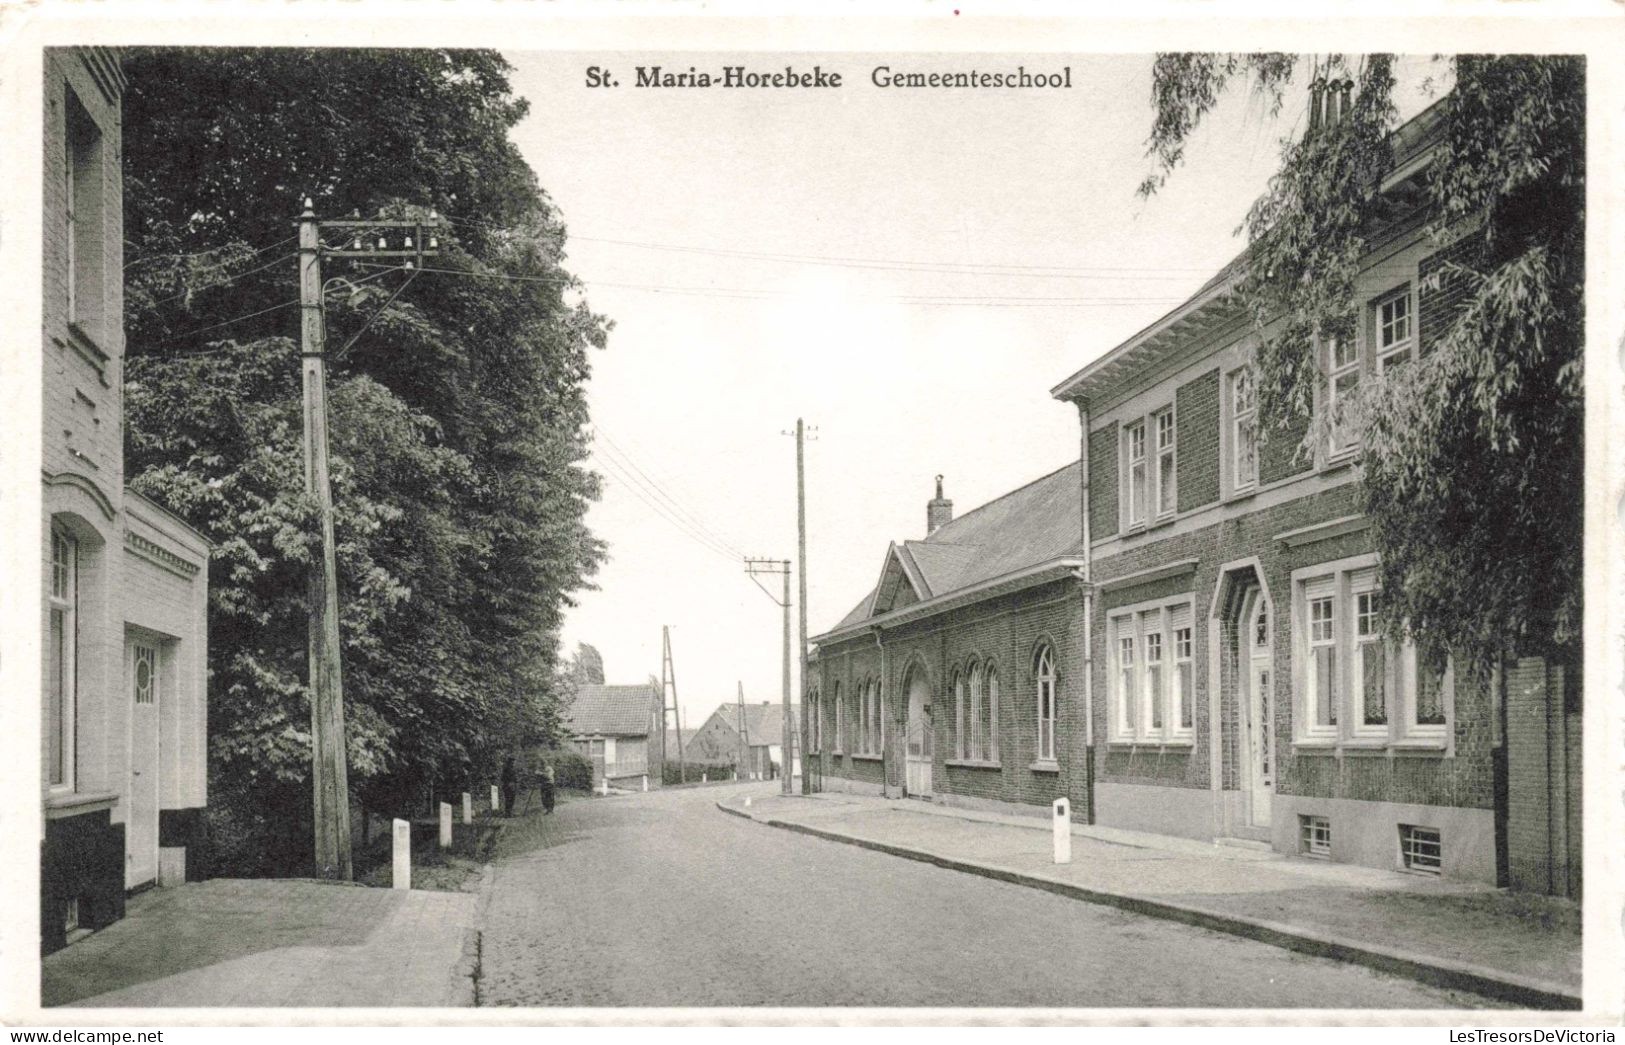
1136, 473
63, 599
1364, 634
961, 706
839, 701
1344, 582
1243, 429
1166, 450
1342, 440
1393, 346
1047, 698
990, 729
973, 721
1144, 704
1183, 681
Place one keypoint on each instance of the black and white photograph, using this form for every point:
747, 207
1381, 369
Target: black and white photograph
775, 521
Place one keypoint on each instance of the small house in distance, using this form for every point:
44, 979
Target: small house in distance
620, 729
719, 738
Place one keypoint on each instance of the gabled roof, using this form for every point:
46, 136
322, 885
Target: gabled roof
615, 711
764, 721
1029, 526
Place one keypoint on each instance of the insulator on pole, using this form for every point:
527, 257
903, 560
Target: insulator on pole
381, 244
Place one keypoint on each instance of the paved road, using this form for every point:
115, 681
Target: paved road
661, 899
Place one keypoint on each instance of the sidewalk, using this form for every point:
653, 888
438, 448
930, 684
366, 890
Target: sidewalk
255, 942
1514, 947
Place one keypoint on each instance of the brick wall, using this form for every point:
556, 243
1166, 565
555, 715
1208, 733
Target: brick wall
1103, 482
1543, 780
1005, 634
1196, 415
1278, 452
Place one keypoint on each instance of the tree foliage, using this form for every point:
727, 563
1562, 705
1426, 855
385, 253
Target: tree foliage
1472, 459
456, 415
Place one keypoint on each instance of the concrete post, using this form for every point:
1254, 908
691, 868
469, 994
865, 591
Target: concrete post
705, 778
445, 825
468, 808
747, 801
496, 799
1063, 831
604, 788
403, 855
646, 781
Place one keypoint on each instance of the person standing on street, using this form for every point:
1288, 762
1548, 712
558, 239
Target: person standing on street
547, 788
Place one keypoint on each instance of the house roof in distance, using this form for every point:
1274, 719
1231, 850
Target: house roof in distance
615, 711
764, 721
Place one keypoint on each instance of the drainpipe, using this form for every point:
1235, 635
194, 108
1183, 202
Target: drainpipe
885, 759
1087, 588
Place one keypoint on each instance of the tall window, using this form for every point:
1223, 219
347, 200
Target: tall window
1358, 683
1137, 472
1165, 462
989, 731
1184, 682
1343, 381
877, 731
1044, 670
82, 186
961, 717
1152, 676
812, 722
865, 715
1395, 329
1243, 430
60, 686
840, 719
977, 696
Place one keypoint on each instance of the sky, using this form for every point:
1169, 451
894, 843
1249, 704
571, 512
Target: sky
910, 271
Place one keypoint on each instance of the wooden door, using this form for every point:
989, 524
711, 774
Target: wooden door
141, 828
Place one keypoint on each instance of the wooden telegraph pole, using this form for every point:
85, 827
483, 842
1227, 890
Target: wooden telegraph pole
668, 676
801, 602
329, 768
787, 739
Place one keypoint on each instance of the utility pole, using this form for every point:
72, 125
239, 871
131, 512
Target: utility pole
744, 734
787, 739
668, 676
801, 602
329, 762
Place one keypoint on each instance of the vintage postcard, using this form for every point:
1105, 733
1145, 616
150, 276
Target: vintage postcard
533, 515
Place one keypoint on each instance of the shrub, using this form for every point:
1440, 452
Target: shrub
570, 768
696, 771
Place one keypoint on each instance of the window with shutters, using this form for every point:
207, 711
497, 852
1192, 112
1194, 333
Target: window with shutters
1152, 672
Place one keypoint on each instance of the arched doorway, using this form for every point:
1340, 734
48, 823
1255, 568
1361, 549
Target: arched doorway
917, 736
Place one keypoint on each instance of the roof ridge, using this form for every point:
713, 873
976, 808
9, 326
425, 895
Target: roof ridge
988, 504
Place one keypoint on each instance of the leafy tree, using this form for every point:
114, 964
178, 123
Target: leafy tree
1473, 455
456, 414
588, 665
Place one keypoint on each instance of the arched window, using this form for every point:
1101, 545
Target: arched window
1044, 672
840, 719
877, 730
989, 731
813, 730
961, 749
973, 730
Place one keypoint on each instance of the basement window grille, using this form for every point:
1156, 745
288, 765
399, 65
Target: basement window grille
1315, 835
1420, 848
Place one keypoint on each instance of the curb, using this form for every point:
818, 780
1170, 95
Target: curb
1437, 972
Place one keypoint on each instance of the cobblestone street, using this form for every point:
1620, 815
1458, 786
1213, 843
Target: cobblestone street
662, 900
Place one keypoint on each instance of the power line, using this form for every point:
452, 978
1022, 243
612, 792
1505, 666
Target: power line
662, 492
659, 510
212, 250
228, 279
652, 498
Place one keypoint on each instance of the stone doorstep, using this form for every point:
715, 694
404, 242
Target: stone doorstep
1438, 971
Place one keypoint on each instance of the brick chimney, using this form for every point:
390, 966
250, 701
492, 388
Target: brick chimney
939, 511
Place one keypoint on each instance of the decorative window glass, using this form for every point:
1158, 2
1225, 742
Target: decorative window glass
1153, 678
1137, 473
1165, 463
1045, 677
1184, 679
1395, 329
61, 690
146, 673
1343, 381
1243, 430
989, 732
1322, 668
1357, 682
